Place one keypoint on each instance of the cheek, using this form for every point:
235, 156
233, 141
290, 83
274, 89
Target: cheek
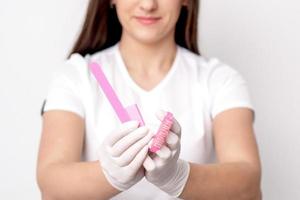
123, 16
124, 9
170, 20
173, 14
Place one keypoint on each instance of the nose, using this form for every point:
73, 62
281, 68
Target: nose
148, 5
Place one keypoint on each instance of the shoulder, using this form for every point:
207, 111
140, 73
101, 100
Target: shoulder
75, 68
208, 69
103, 56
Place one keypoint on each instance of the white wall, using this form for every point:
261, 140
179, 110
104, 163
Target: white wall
34, 37
259, 38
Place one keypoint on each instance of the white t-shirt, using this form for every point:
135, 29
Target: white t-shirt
195, 90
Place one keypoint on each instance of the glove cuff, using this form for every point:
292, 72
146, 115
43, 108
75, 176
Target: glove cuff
113, 182
175, 186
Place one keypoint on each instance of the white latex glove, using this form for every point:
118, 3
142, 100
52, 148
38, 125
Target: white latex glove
122, 154
169, 173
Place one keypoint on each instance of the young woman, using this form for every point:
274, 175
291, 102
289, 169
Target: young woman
148, 51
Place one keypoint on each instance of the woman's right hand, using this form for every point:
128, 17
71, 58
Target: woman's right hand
122, 154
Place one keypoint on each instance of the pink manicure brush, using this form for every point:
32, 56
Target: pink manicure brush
162, 133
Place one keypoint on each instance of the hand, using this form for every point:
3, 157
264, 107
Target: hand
168, 172
122, 154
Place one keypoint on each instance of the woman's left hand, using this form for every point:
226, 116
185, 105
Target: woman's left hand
168, 172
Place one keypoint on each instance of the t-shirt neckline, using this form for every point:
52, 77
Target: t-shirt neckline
134, 85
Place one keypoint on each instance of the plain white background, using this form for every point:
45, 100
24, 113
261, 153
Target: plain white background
258, 38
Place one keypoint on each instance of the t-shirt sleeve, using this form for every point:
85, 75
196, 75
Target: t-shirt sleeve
228, 89
64, 92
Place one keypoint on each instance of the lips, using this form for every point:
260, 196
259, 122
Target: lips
147, 20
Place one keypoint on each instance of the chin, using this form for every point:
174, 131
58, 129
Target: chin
148, 38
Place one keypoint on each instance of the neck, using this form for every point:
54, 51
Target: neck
146, 58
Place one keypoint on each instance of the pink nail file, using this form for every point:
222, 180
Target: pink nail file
124, 114
131, 112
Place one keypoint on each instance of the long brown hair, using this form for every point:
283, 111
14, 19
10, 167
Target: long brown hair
102, 29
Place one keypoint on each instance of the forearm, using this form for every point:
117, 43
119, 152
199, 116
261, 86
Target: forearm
240, 181
82, 180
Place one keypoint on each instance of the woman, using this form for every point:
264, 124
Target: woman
148, 50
